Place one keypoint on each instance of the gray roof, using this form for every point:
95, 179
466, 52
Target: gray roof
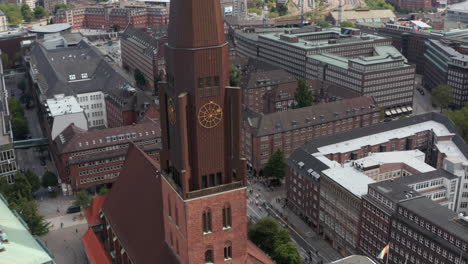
54, 68
439, 215
149, 40
435, 174
311, 146
308, 116
266, 78
306, 164
395, 190
53, 28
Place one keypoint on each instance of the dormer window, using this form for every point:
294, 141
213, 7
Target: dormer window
84, 75
72, 77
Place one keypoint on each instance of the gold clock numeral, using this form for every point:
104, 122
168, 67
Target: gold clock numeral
210, 115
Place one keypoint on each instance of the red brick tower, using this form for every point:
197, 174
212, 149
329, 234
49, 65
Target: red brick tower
203, 183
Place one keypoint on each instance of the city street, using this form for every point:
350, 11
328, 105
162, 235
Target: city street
263, 203
422, 103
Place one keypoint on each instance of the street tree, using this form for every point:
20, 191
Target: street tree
27, 209
287, 253
460, 119
33, 180
49, 179
26, 12
303, 95
13, 13
15, 107
83, 199
323, 24
21, 188
275, 166
139, 78
267, 235
282, 9
104, 191
20, 128
442, 95
22, 86
234, 75
116, 27
347, 24
39, 12
51, 21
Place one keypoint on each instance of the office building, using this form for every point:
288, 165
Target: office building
288, 130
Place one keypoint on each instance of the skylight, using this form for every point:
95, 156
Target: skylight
72, 77
84, 75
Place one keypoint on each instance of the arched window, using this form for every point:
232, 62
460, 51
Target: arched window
209, 256
227, 219
206, 219
227, 250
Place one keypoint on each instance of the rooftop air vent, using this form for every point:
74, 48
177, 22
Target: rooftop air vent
300, 164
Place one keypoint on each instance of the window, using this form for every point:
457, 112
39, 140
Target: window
228, 251
84, 75
227, 220
212, 179
169, 205
206, 221
209, 256
204, 181
72, 77
219, 178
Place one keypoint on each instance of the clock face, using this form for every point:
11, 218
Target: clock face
210, 115
171, 112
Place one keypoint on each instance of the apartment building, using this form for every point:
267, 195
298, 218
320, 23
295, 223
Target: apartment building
344, 58
288, 130
143, 49
89, 158
105, 16
447, 63
417, 229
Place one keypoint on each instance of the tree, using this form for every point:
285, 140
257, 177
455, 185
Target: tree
282, 9
442, 95
20, 128
39, 12
234, 75
83, 199
26, 12
62, 6
104, 191
347, 24
460, 119
116, 27
5, 60
275, 166
287, 254
13, 13
21, 188
139, 78
27, 209
303, 95
22, 86
15, 107
49, 179
51, 21
33, 180
323, 24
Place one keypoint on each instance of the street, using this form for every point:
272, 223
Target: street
263, 203
422, 103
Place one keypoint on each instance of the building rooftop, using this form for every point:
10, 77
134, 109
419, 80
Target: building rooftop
349, 178
267, 78
74, 139
439, 215
53, 28
412, 158
364, 14
62, 105
395, 190
308, 116
354, 259
22, 246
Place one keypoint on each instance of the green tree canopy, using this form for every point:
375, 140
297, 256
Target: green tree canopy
22, 86
347, 24
323, 24
104, 191
116, 27
379, 5
282, 9
460, 119
13, 13
234, 75
15, 107
33, 180
27, 209
49, 179
62, 6
26, 12
255, 10
274, 240
51, 21
83, 199
442, 95
303, 95
20, 128
39, 12
139, 78
275, 166
20, 189
287, 253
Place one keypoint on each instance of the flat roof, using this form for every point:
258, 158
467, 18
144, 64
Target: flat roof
53, 28
62, 105
382, 137
22, 247
412, 158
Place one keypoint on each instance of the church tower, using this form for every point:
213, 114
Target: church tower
203, 183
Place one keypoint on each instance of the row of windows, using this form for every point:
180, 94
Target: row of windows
97, 162
100, 178
87, 172
206, 219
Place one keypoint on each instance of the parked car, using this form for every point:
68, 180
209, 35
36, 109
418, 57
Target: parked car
73, 209
387, 119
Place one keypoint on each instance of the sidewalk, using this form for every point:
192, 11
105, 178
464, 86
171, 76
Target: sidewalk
68, 220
